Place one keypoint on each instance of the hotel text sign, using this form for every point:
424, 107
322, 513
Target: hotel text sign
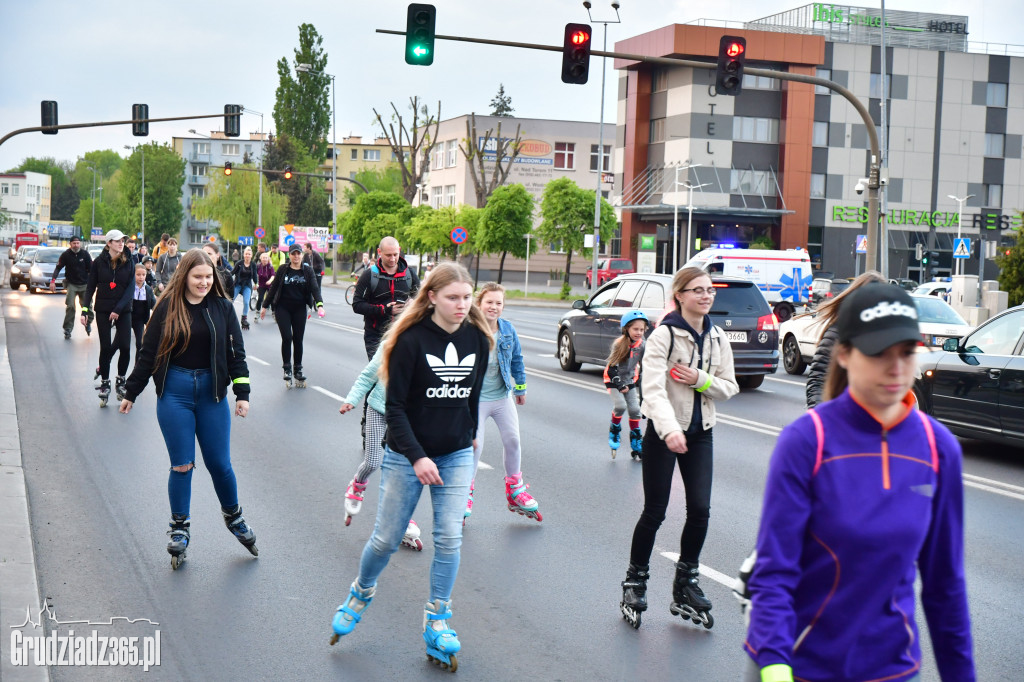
859, 16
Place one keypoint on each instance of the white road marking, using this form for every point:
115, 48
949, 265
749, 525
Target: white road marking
484, 465
321, 389
257, 360
706, 571
998, 487
536, 338
785, 381
342, 327
545, 355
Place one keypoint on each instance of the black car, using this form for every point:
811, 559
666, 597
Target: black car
586, 333
975, 385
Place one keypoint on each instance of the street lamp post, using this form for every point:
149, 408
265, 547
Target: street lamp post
689, 219
526, 286
142, 228
600, 147
93, 169
675, 218
308, 68
259, 217
959, 227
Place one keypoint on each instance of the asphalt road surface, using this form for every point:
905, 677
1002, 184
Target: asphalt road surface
533, 600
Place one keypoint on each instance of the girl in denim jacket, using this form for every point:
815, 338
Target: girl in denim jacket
505, 378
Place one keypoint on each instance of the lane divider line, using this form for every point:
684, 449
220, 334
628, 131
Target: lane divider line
706, 571
536, 338
329, 394
257, 360
786, 381
993, 489
989, 481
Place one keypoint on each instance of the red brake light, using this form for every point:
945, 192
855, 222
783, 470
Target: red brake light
720, 285
768, 323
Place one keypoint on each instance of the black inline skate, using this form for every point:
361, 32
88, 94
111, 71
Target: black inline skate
287, 376
104, 389
119, 383
688, 599
245, 322
178, 543
240, 529
300, 378
634, 594
636, 444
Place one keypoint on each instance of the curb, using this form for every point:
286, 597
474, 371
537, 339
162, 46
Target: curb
19, 586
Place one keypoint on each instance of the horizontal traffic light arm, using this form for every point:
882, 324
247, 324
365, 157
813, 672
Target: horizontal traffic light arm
99, 124
272, 171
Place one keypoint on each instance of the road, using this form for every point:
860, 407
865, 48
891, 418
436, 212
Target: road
532, 600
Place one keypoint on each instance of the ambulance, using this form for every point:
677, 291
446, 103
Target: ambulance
784, 277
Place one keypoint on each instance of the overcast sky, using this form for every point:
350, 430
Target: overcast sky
188, 57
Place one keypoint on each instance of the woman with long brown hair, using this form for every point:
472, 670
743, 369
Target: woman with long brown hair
433, 361
111, 279
193, 350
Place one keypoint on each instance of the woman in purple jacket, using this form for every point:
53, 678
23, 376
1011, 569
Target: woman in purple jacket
862, 491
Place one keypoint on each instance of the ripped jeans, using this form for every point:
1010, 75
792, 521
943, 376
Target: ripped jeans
187, 411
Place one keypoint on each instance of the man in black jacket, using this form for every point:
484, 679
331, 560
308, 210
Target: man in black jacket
315, 260
381, 292
76, 262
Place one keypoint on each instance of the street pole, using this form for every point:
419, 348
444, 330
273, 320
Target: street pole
142, 150
689, 222
93, 168
526, 286
883, 221
675, 225
308, 68
959, 230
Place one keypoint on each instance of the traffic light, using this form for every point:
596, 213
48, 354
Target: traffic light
419, 34
576, 53
49, 115
232, 120
732, 53
140, 128
287, 172
919, 251
227, 168
923, 258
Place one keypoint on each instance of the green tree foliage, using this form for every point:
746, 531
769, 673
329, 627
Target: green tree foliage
430, 230
302, 106
374, 216
316, 210
1011, 270
568, 214
504, 222
234, 202
386, 179
104, 213
165, 175
106, 161
285, 150
501, 105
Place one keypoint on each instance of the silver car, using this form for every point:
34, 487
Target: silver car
43, 263
20, 266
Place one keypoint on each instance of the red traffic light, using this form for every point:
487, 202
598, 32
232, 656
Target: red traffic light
580, 37
735, 49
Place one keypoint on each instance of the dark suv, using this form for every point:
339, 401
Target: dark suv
586, 333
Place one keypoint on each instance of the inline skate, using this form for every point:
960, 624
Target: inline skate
520, 501
119, 383
636, 443
288, 376
104, 389
469, 504
411, 539
240, 529
614, 437
67, 333
634, 594
178, 543
351, 612
741, 589
688, 599
300, 378
245, 323
353, 499
442, 642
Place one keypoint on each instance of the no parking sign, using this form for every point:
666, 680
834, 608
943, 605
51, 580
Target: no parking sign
458, 235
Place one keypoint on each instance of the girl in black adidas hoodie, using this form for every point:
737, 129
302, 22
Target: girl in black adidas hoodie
434, 358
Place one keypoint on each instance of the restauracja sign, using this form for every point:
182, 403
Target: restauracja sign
859, 214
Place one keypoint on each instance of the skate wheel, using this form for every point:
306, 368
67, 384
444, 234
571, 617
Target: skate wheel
348, 520
334, 638
614, 453
454, 665
419, 545
539, 517
252, 550
707, 620
177, 561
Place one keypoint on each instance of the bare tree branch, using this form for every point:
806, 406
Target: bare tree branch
474, 149
408, 144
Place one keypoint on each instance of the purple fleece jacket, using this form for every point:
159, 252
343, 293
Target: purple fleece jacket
837, 550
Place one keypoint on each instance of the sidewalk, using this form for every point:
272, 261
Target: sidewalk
19, 588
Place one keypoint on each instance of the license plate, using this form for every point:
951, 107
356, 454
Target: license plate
736, 337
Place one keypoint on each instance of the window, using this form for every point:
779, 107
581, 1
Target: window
438, 157
821, 89
657, 130
605, 158
993, 196
556, 247
352, 175
994, 144
627, 293
759, 82
565, 153
248, 151
371, 155
453, 146
819, 134
201, 147
604, 297
5, 188
198, 192
996, 338
435, 200
749, 181
355, 155
15, 190
995, 96
876, 88
750, 129
449, 195
654, 296
817, 185
198, 169
230, 150
659, 79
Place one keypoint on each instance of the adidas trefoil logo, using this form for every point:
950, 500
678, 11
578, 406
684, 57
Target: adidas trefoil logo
451, 369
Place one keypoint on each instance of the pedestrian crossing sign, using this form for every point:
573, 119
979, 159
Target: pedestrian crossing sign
962, 248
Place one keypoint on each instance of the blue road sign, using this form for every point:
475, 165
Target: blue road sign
962, 247
245, 241
97, 232
862, 243
289, 240
458, 235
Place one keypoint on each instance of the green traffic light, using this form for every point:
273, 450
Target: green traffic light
420, 51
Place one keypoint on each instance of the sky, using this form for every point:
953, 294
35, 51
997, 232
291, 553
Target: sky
189, 57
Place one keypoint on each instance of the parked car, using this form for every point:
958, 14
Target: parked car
823, 289
20, 266
586, 333
938, 321
905, 284
43, 263
973, 385
95, 250
800, 336
940, 289
610, 268
784, 277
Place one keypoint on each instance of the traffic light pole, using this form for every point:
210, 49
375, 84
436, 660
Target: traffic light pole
100, 124
875, 170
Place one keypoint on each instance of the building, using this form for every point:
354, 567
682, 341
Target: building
353, 156
781, 162
549, 150
25, 198
204, 155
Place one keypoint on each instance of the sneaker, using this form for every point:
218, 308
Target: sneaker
469, 503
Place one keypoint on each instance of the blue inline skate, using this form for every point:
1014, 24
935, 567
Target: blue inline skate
351, 612
636, 443
442, 642
614, 431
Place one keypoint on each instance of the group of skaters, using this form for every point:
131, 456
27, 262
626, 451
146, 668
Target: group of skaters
863, 492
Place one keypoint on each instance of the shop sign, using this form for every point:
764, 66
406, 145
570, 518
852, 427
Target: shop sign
857, 16
859, 214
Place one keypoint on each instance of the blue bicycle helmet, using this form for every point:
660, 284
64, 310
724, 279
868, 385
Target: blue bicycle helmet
631, 316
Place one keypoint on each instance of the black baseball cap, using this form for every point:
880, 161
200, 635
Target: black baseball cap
295, 248
75, 238
876, 316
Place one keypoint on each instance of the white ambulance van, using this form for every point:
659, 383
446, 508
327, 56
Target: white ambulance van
784, 277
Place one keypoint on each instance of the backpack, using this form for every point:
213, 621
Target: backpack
375, 277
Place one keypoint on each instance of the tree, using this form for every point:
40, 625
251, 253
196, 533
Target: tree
283, 151
430, 230
375, 215
234, 202
165, 175
316, 210
568, 215
302, 108
386, 179
501, 105
1011, 270
504, 223
412, 145
498, 152
83, 216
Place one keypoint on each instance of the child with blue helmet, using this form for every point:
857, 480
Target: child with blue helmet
622, 377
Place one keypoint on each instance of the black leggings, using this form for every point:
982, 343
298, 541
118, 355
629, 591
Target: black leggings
695, 466
291, 320
122, 343
139, 327
260, 295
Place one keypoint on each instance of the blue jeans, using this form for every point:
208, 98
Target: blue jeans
399, 492
187, 411
246, 295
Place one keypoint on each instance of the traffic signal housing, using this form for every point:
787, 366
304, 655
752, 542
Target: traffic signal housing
919, 251
227, 168
576, 53
48, 115
287, 172
732, 54
232, 120
140, 127
419, 34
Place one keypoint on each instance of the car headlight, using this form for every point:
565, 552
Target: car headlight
15, 270
35, 271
